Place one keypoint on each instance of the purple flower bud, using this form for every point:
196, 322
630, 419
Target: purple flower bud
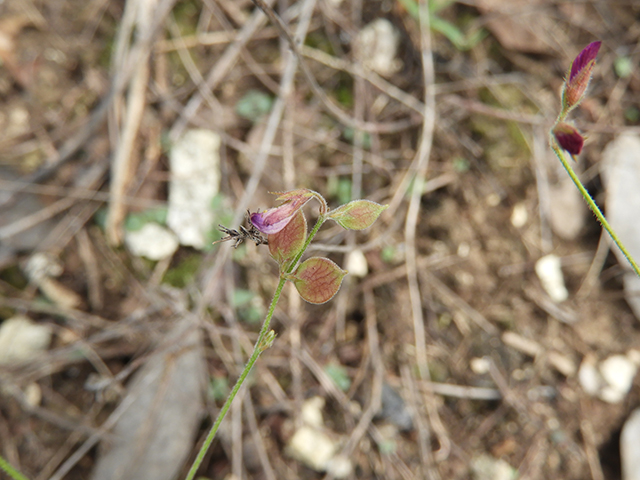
579, 76
275, 219
568, 138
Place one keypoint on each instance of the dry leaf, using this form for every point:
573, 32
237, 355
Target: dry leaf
521, 25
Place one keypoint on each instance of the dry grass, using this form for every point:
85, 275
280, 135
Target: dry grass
453, 142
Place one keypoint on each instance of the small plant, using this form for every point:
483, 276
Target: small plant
565, 138
7, 468
317, 279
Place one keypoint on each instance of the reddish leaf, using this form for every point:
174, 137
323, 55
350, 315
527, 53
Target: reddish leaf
357, 215
286, 244
318, 279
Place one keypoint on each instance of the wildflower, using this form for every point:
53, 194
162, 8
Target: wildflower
568, 138
579, 76
275, 219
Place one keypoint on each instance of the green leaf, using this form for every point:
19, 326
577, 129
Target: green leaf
339, 375
349, 134
183, 273
623, 66
254, 105
459, 39
357, 215
285, 245
317, 279
219, 388
135, 221
241, 297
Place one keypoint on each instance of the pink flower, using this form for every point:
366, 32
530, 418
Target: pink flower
580, 75
275, 219
568, 138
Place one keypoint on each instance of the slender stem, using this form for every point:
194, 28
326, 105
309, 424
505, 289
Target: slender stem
9, 470
257, 350
594, 208
312, 234
260, 346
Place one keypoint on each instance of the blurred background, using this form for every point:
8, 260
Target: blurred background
485, 330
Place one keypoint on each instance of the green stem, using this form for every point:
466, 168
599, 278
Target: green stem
312, 234
594, 208
9, 470
260, 346
257, 350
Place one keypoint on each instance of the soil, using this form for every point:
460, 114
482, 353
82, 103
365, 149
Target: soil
483, 223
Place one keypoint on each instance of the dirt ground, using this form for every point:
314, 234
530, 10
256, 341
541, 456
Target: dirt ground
93, 95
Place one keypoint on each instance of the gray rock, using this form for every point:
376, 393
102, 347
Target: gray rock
630, 447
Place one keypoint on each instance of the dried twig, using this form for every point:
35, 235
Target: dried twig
329, 105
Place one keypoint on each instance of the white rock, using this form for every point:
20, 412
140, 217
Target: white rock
618, 372
194, 164
312, 447
630, 447
33, 394
485, 467
357, 263
590, 379
340, 466
41, 265
634, 356
21, 340
621, 174
550, 275
152, 241
480, 365
567, 214
311, 412
612, 379
377, 46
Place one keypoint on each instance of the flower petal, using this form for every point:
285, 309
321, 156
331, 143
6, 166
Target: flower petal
579, 76
584, 59
275, 219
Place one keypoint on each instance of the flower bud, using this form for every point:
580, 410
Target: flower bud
568, 138
579, 76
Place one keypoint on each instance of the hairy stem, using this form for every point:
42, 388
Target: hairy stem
9, 470
260, 346
594, 208
257, 350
